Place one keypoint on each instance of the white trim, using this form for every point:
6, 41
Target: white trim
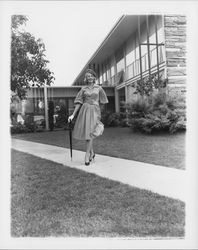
177, 77
177, 85
164, 38
100, 47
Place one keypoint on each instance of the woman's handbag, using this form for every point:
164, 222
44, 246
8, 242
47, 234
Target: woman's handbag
98, 130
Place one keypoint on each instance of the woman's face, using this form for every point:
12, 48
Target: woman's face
90, 78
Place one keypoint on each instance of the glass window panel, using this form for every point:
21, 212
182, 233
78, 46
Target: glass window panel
112, 71
119, 55
120, 65
153, 55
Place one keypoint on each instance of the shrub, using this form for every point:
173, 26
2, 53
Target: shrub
123, 118
19, 128
30, 123
114, 119
138, 108
157, 113
104, 117
147, 85
39, 125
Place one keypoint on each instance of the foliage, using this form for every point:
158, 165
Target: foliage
28, 63
19, 128
114, 119
157, 113
29, 125
40, 125
147, 85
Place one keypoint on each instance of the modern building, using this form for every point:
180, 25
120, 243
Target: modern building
137, 46
60, 96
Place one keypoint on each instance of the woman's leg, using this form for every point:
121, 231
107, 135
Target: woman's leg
88, 150
91, 146
92, 154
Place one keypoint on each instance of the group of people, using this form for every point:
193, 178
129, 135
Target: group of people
87, 109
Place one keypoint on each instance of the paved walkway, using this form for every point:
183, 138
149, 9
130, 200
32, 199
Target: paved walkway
162, 180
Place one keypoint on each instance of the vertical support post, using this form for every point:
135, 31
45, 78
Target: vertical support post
157, 46
148, 46
125, 66
46, 108
124, 75
140, 51
115, 67
98, 74
126, 93
106, 71
110, 75
102, 68
117, 100
115, 64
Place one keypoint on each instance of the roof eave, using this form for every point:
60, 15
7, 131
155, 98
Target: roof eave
100, 47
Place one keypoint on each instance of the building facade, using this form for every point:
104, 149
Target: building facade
38, 98
138, 47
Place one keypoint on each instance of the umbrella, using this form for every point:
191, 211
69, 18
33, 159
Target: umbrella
70, 137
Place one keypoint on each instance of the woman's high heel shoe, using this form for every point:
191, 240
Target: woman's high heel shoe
87, 162
91, 158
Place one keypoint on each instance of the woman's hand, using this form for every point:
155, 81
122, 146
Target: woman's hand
71, 117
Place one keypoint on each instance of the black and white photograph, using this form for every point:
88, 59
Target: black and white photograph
99, 124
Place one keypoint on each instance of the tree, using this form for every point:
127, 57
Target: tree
28, 63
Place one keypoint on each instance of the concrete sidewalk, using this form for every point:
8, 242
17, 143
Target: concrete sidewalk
162, 180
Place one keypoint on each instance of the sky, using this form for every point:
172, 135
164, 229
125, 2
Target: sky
71, 34
73, 30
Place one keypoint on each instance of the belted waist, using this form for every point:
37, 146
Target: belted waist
91, 102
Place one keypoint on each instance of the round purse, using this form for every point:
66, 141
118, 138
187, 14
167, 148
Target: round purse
98, 130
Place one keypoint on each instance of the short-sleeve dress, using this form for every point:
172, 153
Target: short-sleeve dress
89, 114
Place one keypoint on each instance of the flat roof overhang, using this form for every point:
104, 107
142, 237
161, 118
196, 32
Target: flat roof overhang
121, 31
62, 91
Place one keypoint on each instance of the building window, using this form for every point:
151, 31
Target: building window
119, 59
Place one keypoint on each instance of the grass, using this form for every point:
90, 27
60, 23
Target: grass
49, 199
162, 149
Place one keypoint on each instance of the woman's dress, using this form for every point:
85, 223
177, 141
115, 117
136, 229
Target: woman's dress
89, 114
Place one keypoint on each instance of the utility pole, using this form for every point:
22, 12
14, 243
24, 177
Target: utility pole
46, 108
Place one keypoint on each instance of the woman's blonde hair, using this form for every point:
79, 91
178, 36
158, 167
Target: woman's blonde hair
90, 71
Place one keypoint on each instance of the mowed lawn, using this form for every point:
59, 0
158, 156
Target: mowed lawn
49, 199
162, 149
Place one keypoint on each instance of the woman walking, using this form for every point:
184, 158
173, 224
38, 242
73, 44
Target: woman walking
88, 125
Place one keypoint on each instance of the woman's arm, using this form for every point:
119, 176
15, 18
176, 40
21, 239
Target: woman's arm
71, 117
77, 107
